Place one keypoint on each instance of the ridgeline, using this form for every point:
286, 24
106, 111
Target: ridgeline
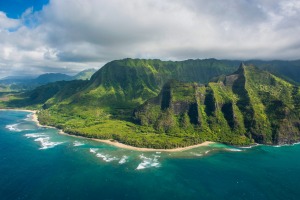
165, 104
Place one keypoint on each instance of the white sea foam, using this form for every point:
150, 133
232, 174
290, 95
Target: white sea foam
29, 117
34, 135
249, 147
148, 162
158, 152
286, 145
93, 150
13, 127
106, 157
77, 143
196, 154
46, 144
206, 152
123, 160
232, 149
17, 127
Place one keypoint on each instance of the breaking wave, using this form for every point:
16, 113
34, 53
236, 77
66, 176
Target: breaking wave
148, 162
93, 150
197, 154
123, 160
106, 157
77, 144
34, 135
233, 149
46, 143
29, 117
13, 127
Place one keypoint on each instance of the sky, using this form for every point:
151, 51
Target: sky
67, 36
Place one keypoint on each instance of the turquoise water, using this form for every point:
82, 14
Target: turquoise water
38, 163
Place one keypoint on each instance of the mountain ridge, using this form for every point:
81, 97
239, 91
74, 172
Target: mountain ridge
128, 94
23, 83
232, 105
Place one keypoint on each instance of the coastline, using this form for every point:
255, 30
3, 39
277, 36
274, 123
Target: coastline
124, 146
34, 118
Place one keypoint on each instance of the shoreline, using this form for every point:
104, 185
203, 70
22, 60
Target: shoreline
179, 149
34, 118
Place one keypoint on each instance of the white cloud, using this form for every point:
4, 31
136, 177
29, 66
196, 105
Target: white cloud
6, 23
76, 34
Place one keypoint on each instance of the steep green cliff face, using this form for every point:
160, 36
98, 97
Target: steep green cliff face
164, 104
247, 106
130, 82
122, 85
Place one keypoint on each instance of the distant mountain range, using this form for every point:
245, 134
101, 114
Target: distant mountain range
21, 83
166, 104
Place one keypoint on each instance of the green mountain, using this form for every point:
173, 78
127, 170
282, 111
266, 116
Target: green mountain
164, 104
50, 77
288, 70
23, 83
248, 105
84, 75
125, 84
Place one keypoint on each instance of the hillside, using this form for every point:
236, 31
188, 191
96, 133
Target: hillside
165, 104
248, 105
84, 75
25, 83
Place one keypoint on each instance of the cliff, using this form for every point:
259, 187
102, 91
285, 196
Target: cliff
249, 105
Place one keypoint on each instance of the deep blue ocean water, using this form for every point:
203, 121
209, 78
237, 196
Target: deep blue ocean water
38, 163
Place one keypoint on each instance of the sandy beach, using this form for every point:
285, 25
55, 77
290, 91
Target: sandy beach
110, 142
124, 146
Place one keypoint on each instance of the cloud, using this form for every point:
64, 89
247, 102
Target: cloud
71, 35
7, 23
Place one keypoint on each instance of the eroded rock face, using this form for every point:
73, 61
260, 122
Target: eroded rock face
180, 107
249, 103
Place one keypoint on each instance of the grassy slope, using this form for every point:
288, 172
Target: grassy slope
102, 107
249, 105
114, 91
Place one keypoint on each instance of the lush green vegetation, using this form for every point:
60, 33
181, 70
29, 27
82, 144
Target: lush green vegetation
164, 104
245, 107
85, 74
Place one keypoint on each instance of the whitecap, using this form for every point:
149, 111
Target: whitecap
158, 152
93, 150
106, 157
77, 143
206, 152
249, 147
46, 144
123, 160
196, 154
13, 127
148, 162
17, 127
296, 143
284, 145
34, 135
232, 149
29, 117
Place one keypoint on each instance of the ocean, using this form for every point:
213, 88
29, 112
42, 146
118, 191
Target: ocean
39, 163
